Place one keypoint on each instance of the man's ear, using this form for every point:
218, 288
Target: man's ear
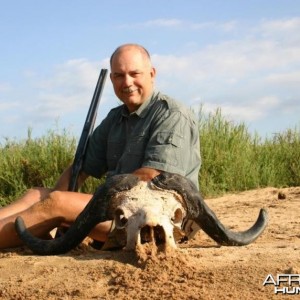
153, 72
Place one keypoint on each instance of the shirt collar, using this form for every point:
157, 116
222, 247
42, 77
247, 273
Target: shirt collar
143, 109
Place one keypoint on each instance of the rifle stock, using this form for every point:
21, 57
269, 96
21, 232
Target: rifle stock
86, 131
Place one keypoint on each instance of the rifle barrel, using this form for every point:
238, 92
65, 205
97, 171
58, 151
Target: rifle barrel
87, 131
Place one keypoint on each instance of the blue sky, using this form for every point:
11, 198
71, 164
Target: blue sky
240, 56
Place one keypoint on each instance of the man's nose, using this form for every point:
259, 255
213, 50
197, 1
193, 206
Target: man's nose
128, 80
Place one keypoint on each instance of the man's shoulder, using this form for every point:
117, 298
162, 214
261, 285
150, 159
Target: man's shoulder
116, 109
115, 112
169, 101
174, 105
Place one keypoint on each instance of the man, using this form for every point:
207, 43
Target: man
149, 133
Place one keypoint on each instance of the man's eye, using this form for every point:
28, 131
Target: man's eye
136, 74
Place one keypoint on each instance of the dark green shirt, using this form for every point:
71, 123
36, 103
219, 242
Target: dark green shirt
161, 134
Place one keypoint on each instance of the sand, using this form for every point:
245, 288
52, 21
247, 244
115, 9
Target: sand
199, 269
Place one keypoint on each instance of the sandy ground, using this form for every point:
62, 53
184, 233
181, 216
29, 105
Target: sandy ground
199, 269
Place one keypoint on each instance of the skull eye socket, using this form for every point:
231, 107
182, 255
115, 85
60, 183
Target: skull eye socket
120, 218
178, 217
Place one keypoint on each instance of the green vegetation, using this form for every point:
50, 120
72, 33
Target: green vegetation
235, 160
35, 162
232, 159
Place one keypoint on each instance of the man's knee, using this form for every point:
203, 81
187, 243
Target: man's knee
55, 198
38, 193
57, 202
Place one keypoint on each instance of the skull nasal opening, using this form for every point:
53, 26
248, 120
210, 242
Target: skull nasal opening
120, 218
154, 234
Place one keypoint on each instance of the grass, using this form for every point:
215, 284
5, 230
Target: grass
235, 160
232, 159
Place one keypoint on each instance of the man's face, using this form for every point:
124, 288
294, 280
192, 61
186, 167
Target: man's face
132, 77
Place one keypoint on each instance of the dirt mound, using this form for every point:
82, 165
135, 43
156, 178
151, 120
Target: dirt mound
200, 269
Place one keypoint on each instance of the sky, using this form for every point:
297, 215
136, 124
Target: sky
240, 56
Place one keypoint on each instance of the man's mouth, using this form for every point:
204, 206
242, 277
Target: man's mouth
129, 90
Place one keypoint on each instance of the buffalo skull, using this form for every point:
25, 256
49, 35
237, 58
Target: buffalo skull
148, 211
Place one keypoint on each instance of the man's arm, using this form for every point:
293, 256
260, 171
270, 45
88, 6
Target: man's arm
63, 182
174, 145
144, 174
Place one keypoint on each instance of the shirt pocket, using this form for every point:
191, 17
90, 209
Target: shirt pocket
166, 137
168, 149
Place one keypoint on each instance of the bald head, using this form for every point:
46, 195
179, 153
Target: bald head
138, 48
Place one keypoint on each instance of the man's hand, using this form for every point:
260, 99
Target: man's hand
146, 174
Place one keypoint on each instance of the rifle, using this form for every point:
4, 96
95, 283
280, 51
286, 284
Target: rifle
86, 132
84, 138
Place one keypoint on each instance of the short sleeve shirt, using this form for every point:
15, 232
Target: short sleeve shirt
161, 134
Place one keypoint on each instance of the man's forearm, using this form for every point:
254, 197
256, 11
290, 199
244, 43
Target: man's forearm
63, 182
